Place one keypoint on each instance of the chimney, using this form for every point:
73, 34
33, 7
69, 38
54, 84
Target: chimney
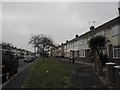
61, 43
92, 28
76, 35
66, 41
119, 7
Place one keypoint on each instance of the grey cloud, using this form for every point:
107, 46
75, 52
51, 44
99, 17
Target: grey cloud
61, 20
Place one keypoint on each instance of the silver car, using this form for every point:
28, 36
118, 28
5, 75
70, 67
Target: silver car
28, 58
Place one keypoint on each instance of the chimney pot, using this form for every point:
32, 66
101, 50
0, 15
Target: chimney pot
92, 28
76, 35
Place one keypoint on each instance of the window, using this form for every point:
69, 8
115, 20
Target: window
115, 30
71, 54
75, 53
73, 44
76, 44
81, 53
116, 52
69, 45
8, 57
65, 46
80, 42
67, 54
101, 33
106, 51
1, 55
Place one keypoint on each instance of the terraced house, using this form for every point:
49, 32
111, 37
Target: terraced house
78, 46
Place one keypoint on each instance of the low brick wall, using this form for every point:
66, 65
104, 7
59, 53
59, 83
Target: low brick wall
117, 75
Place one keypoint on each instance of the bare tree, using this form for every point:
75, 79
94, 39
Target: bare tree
42, 42
45, 43
34, 40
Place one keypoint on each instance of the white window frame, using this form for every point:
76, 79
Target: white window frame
80, 42
71, 54
75, 53
112, 29
68, 54
114, 52
107, 51
75, 43
69, 45
83, 53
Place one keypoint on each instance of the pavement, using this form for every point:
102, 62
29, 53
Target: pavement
18, 79
84, 76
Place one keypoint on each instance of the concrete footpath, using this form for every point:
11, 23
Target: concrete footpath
84, 77
18, 80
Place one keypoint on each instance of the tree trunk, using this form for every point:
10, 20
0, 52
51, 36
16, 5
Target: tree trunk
34, 49
95, 63
99, 67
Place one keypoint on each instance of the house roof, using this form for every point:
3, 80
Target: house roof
102, 27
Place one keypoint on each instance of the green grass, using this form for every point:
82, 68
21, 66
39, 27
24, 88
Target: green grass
57, 76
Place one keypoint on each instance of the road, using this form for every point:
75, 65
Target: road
18, 79
22, 64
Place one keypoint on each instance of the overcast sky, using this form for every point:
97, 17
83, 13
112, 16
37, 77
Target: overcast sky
61, 20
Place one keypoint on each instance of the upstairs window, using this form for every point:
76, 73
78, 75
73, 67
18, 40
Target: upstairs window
76, 44
73, 44
81, 42
115, 30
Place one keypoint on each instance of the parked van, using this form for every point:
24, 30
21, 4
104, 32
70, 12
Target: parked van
8, 64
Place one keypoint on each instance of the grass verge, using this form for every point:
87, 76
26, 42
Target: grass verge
49, 74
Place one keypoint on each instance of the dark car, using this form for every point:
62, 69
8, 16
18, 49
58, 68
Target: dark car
8, 64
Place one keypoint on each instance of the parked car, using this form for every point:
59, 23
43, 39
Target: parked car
37, 55
33, 57
8, 64
28, 58
20, 56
